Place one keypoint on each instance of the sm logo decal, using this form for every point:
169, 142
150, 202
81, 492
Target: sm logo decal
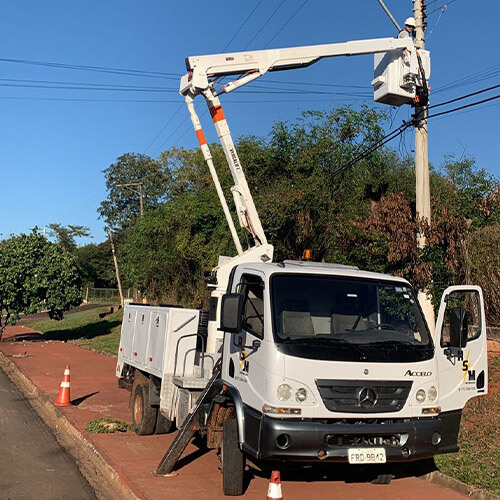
469, 375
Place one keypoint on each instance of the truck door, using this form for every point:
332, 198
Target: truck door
245, 347
461, 347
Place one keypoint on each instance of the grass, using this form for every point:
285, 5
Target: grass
478, 462
107, 426
85, 328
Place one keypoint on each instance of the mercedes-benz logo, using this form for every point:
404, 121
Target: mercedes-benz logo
367, 397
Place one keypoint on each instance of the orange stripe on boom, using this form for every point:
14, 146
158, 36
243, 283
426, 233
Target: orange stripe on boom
201, 137
217, 114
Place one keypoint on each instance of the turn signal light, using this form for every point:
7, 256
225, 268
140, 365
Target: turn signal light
431, 411
275, 410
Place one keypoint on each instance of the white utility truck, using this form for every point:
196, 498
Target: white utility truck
301, 361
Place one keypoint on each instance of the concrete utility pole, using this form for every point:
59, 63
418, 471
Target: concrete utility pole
141, 200
119, 281
422, 185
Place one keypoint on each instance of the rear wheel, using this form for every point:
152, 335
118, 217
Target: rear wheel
143, 414
163, 424
233, 460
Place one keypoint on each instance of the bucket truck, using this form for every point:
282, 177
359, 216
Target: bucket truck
301, 361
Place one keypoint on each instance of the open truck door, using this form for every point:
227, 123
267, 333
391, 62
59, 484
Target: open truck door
461, 347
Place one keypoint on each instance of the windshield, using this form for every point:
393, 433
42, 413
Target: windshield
356, 318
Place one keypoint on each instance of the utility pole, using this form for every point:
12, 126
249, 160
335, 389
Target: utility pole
422, 184
119, 281
141, 200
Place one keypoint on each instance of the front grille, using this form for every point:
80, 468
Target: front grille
357, 396
360, 440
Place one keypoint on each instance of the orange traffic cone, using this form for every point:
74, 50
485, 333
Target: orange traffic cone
274, 490
63, 397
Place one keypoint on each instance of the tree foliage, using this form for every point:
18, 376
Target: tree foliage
36, 275
96, 265
122, 205
65, 235
364, 215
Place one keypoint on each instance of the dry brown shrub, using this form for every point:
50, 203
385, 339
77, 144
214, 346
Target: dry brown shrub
481, 251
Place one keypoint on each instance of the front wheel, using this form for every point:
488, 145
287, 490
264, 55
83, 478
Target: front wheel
233, 460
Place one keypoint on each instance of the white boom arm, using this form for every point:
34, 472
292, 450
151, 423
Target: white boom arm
205, 71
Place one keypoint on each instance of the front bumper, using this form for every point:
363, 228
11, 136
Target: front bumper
308, 440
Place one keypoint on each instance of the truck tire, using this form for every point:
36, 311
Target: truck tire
163, 424
143, 414
233, 460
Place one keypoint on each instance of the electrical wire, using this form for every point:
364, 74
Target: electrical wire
164, 126
286, 23
241, 26
371, 149
482, 91
465, 106
94, 88
105, 85
444, 6
98, 69
265, 24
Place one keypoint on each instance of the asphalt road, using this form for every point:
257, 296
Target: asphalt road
32, 464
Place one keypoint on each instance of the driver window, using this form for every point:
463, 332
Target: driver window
468, 303
253, 311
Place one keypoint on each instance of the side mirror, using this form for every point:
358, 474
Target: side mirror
459, 327
232, 312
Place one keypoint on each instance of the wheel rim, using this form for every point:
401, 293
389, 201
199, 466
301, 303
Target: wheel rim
138, 410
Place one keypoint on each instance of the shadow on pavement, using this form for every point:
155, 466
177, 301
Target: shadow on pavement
347, 473
77, 401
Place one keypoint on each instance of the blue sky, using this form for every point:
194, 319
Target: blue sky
54, 143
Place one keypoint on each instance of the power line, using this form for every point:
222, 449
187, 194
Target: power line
82, 87
165, 126
286, 23
98, 69
241, 26
444, 6
320, 84
472, 94
156, 101
371, 149
485, 74
59, 82
465, 106
265, 24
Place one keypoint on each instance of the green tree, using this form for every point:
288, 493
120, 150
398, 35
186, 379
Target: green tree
122, 205
65, 235
96, 265
36, 275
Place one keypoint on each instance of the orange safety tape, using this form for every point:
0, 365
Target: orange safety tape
217, 114
201, 137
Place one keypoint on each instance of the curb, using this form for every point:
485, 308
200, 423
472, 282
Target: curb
101, 476
437, 477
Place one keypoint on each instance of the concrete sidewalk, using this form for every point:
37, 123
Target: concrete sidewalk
95, 394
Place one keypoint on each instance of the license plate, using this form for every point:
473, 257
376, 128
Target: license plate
366, 455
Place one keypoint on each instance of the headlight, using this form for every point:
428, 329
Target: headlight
301, 395
432, 394
420, 396
284, 392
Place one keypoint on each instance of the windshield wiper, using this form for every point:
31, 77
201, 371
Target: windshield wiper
326, 340
396, 343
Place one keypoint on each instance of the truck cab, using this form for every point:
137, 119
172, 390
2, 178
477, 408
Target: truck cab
327, 362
